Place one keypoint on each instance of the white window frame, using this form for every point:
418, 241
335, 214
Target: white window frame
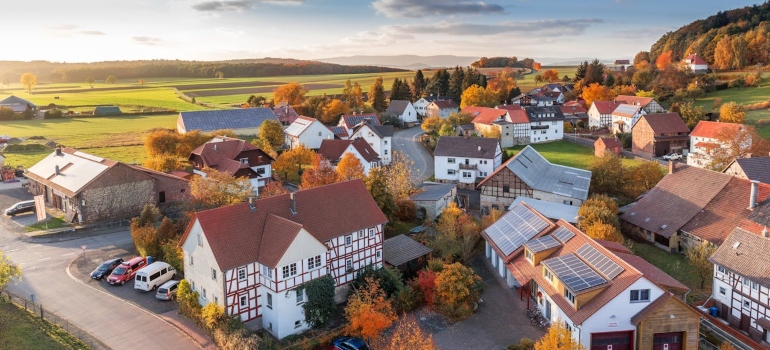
349, 264
721, 269
269, 302
313, 262
371, 232
289, 271
360, 234
548, 275
639, 297
267, 272
569, 296
213, 274
191, 261
300, 297
451, 172
528, 254
450, 160
200, 240
722, 291
203, 290
243, 300
746, 304
348, 240
242, 274
297, 324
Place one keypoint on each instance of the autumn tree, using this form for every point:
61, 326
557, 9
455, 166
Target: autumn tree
432, 124
536, 66
265, 146
28, 81
161, 141
457, 234
399, 174
641, 56
691, 114
293, 93
457, 290
604, 231
731, 112
459, 118
163, 162
597, 92
141, 82
272, 189
256, 101
377, 184
663, 60
272, 132
322, 173
90, 81
607, 174
698, 257
111, 79
333, 109
144, 232
551, 75
218, 189
369, 312
409, 336
735, 143
8, 271
478, 96
290, 163
350, 168
558, 338
642, 177
446, 130
377, 95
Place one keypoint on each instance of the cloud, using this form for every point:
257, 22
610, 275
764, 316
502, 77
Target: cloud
543, 28
146, 40
65, 26
91, 32
421, 8
68, 29
229, 31
239, 5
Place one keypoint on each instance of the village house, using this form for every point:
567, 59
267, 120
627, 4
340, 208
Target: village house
545, 123
705, 138
600, 114
575, 113
249, 258
492, 121
441, 109
619, 65
349, 121
434, 198
464, 161
655, 135
340, 133
421, 105
402, 109
750, 167
603, 145
333, 151
691, 206
606, 298
379, 137
244, 121
285, 114
551, 210
306, 131
235, 157
87, 188
648, 104
696, 63
530, 175
624, 117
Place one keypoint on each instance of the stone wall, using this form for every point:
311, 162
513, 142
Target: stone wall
120, 192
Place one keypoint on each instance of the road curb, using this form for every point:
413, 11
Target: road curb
72, 277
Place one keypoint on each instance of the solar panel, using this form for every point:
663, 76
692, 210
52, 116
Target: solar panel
574, 272
563, 234
599, 261
543, 243
515, 228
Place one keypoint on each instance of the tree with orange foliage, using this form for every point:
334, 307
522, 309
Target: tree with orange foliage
458, 288
333, 109
272, 189
321, 174
368, 311
290, 163
219, 189
426, 281
350, 168
663, 60
409, 336
551, 75
558, 338
536, 66
293, 93
597, 92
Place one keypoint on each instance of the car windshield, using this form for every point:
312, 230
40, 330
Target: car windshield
162, 291
104, 266
119, 271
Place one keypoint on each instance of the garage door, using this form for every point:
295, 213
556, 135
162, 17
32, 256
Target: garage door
612, 341
667, 341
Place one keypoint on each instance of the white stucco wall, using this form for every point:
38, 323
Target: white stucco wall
199, 273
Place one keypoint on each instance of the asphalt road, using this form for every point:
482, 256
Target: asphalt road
408, 142
116, 322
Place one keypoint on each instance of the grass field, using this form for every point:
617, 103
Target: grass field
566, 153
20, 330
744, 96
676, 265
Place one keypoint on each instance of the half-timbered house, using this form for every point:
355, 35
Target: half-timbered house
250, 258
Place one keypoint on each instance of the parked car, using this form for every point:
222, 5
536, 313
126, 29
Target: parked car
672, 156
153, 275
21, 207
167, 291
126, 270
350, 343
106, 268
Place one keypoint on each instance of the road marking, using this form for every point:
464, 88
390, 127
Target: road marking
44, 259
70, 253
12, 250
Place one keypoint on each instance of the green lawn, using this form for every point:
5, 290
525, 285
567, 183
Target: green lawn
20, 330
676, 265
744, 96
566, 153
50, 223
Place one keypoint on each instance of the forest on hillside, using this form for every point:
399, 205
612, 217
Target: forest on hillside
730, 39
501, 62
11, 71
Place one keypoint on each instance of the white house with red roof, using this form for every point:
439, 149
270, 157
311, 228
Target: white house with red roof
511, 122
600, 114
625, 116
379, 137
349, 121
696, 63
649, 104
334, 150
466, 160
306, 131
250, 257
403, 109
704, 139
235, 157
606, 298
441, 108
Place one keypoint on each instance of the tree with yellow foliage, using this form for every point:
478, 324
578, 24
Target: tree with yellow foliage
558, 338
293, 93
333, 109
475, 95
457, 290
28, 81
350, 168
551, 75
597, 92
322, 173
368, 311
732, 112
219, 189
290, 163
409, 336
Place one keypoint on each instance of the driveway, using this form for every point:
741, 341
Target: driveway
408, 142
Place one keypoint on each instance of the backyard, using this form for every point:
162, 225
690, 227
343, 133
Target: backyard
566, 153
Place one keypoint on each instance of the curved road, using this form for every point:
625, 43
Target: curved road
408, 142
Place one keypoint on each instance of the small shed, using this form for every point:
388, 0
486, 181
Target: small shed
434, 198
604, 144
404, 253
107, 110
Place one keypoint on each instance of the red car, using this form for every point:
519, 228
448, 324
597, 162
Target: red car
126, 270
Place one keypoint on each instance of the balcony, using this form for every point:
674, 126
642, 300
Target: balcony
468, 166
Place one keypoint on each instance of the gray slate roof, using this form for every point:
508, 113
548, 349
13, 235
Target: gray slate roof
741, 252
448, 146
544, 113
402, 249
433, 192
226, 119
540, 174
12, 100
553, 211
756, 168
397, 107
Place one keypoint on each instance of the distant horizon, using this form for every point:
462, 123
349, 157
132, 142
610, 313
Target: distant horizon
81, 31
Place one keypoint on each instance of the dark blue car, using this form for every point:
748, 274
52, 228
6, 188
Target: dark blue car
105, 268
350, 343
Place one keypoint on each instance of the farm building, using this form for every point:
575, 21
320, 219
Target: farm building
435, 198
17, 104
604, 144
107, 110
244, 121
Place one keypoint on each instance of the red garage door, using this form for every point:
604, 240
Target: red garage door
612, 341
668, 341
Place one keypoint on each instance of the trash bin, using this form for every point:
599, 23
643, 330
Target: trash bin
714, 311
150, 259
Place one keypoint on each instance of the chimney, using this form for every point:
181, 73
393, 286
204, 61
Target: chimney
293, 207
253, 202
748, 155
671, 167
215, 146
58, 151
56, 169
765, 233
754, 190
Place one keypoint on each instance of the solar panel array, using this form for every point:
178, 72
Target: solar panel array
515, 228
563, 234
574, 272
542, 243
599, 261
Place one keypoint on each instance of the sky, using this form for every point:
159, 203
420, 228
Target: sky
100, 30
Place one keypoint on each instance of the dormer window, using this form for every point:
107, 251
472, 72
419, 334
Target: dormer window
569, 296
529, 256
245, 160
548, 275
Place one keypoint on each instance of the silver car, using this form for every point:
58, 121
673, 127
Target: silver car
167, 291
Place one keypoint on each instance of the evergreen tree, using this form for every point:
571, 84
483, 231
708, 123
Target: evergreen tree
377, 95
404, 91
418, 84
610, 81
395, 90
580, 73
456, 84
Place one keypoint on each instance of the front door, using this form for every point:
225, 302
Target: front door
724, 312
667, 341
745, 322
548, 310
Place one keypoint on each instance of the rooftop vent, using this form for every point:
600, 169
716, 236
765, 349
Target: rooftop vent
736, 245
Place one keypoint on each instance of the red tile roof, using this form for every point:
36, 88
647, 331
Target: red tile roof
613, 246
712, 129
335, 149
573, 109
519, 116
606, 107
627, 99
219, 148
652, 273
238, 235
665, 123
485, 115
610, 142
695, 59
509, 107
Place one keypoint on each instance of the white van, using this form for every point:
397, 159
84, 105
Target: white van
153, 275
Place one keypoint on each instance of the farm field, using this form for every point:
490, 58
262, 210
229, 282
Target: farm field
566, 153
744, 96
